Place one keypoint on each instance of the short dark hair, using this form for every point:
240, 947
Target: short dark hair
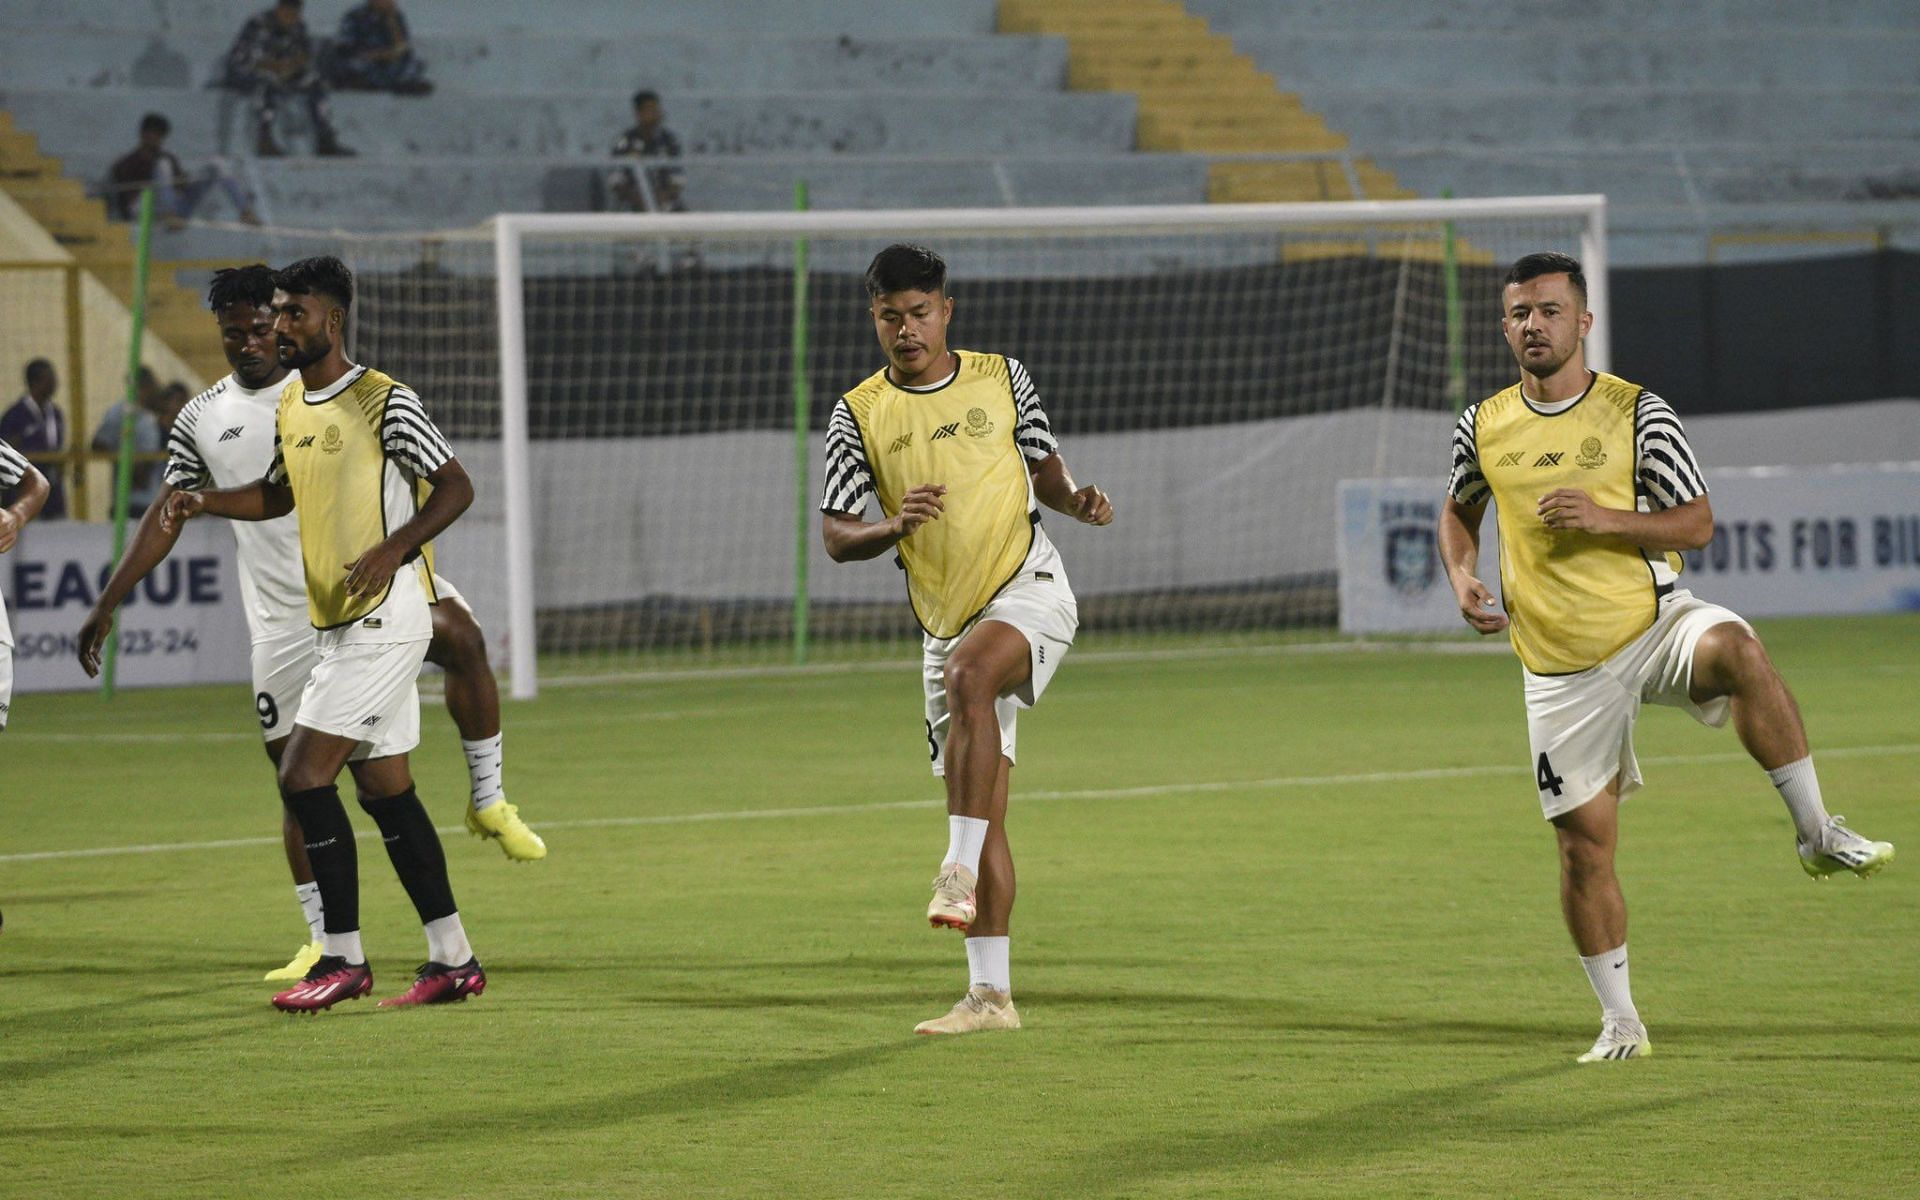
156, 123
905, 267
1548, 262
37, 368
322, 275
643, 95
251, 285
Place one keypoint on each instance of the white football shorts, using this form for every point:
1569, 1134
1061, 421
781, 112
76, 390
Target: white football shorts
282, 661
1039, 603
6, 682
367, 691
1580, 726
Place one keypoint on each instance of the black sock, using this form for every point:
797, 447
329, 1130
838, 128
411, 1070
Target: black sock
330, 849
415, 850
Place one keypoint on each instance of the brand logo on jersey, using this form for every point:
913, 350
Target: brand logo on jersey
1511, 459
1550, 460
304, 442
231, 434
945, 431
1591, 455
370, 623
900, 443
977, 424
330, 442
371, 721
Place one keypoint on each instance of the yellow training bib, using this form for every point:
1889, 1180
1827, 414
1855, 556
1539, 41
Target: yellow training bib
1573, 598
346, 492
962, 436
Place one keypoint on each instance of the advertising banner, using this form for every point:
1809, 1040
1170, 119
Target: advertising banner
1787, 541
184, 623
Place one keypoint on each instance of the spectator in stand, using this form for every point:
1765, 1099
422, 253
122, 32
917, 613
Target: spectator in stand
176, 194
272, 59
147, 437
374, 52
171, 402
647, 189
35, 425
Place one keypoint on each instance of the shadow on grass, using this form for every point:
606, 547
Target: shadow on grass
699, 1097
1376, 1130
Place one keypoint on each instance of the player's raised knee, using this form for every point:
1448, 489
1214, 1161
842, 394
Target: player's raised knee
968, 684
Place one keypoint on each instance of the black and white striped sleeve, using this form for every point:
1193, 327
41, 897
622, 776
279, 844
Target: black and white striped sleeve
1466, 483
185, 466
13, 465
1032, 432
849, 477
409, 435
1665, 467
277, 469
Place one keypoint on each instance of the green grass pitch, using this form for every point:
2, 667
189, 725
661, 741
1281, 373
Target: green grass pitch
1287, 927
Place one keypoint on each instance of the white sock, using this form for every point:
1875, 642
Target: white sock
343, 945
447, 941
966, 836
1800, 788
987, 964
308, 894
483, 769
1608, 975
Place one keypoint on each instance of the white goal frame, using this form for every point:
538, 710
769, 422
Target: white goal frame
511, 232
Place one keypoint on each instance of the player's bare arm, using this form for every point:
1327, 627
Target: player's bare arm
261, 500
153, 540
852, 539
1686, 526
1459, 537
1054, 485
33, 489
452, 493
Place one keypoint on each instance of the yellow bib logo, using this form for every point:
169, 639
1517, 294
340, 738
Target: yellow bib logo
977, 424
1591, 455
330, 442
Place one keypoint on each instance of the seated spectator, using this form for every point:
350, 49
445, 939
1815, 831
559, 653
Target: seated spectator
147, 438
35, 425
171, 402
374, 52
272, 59
176, 194
650, 189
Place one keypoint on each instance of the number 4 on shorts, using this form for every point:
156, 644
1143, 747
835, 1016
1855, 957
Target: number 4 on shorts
1544, 776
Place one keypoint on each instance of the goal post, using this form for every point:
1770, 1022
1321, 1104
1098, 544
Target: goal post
637, 382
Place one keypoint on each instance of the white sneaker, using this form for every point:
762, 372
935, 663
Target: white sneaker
978, 1011
1619, 1039
1841, 849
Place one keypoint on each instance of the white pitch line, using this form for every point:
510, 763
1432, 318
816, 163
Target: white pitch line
1129, 793
907, 662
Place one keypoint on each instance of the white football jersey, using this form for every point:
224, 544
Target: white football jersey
224, 438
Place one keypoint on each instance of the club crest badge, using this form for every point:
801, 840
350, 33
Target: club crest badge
1591, 455
977, 424
330, 442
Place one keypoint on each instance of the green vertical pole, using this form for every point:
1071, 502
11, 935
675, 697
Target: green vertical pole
1456, 342
123, 470
802, 402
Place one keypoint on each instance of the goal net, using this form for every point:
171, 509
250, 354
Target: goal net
642, 400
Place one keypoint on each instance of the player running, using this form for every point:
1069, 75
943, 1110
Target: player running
1596, 486
955, 447
224, 438
15, 471
350, 447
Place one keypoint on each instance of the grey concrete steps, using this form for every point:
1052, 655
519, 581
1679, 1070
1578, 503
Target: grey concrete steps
546, 62
1283, 16
798, 122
